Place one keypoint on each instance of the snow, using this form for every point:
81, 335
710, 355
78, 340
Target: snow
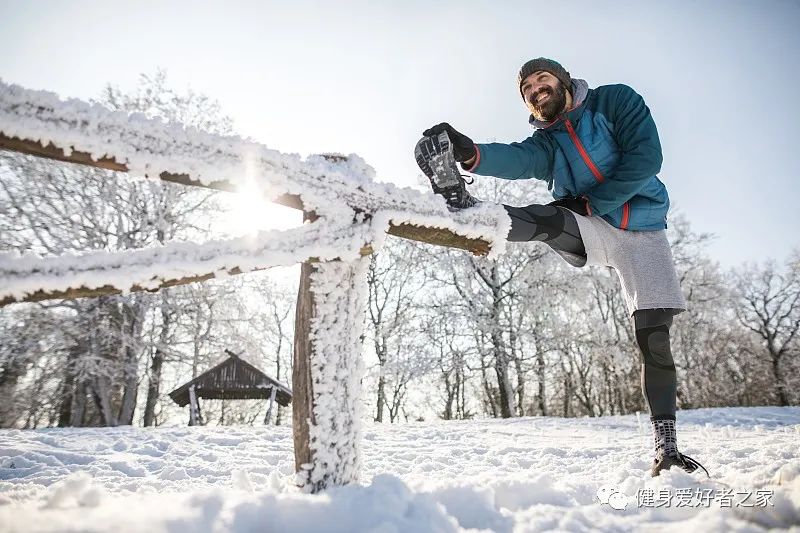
528, 474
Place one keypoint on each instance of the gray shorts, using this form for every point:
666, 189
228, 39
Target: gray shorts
642, 259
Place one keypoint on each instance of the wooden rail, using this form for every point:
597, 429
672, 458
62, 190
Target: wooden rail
437, 236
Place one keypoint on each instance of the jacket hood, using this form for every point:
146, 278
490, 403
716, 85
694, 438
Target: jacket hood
580, 88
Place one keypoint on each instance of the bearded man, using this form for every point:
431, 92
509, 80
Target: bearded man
599, 152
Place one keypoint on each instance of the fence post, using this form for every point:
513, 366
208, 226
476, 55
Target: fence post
327, 372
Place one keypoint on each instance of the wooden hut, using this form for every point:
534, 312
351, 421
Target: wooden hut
232, 379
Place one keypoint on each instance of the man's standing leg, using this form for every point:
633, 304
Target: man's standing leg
659, 381
660, 385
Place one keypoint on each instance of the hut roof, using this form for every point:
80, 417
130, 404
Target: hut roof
233, 378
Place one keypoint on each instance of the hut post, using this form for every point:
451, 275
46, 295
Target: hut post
194, 408
268, 418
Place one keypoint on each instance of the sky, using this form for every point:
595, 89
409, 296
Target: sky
358, 77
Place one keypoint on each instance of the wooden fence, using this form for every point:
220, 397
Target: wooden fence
325, 379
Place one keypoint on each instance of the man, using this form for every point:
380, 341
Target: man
598, 150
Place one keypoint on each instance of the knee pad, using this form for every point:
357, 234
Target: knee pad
549, 222
655, 346
535, 222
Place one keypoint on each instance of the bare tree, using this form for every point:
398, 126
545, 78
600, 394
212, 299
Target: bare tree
769, 307
393, 285
52, 208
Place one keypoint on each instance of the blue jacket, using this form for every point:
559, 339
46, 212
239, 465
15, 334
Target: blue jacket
605, 148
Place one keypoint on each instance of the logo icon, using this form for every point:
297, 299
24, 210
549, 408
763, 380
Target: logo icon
612, 497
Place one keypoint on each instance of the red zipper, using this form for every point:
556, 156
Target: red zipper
626, 215
584, 154
626, 208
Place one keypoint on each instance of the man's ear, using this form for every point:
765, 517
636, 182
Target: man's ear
570, 101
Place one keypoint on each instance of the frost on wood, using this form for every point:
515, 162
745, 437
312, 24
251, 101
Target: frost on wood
336, 369
148, 147
485, 223
332, 187
24, 277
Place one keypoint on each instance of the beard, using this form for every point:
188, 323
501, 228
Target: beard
548, 110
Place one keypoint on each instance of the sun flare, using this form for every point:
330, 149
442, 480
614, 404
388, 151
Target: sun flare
249, 212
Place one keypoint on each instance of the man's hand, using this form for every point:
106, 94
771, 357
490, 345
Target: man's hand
463, 148
579, 205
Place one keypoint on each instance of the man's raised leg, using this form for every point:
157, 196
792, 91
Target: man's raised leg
552, 225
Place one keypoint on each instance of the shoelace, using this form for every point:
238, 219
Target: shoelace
692, 463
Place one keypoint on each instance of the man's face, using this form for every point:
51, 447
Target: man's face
545, 95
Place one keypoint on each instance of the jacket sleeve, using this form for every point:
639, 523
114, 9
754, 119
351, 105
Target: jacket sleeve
531, 158
635, 133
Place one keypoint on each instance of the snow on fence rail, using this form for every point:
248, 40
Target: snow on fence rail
349, 215
40, 123
31, 278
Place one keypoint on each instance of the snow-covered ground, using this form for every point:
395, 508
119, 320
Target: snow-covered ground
531, 474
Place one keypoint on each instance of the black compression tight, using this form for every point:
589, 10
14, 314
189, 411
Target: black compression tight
558, 228
554, 226
659, 381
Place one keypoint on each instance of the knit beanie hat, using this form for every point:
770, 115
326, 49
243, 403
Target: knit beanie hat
547, 65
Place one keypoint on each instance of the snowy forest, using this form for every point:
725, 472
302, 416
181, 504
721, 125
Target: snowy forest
448, 335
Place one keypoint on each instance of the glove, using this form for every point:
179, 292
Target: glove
435, 157
576, 204
463, 147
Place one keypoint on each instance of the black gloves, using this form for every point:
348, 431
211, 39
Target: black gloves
463, 147
435, 157
579, 205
